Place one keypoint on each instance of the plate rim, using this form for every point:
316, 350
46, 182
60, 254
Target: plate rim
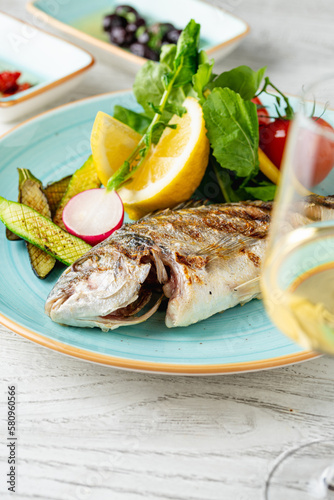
153, 367
138, 365
118, 51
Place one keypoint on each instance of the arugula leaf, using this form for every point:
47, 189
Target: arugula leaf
161, 92
137, 121
233, 131
264, 191
167, 55
154, 78
149, 89
225, 182
203, 76
242, 80
186, 56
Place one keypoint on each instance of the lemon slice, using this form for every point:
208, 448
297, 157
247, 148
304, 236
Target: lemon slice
173, 168
112, 142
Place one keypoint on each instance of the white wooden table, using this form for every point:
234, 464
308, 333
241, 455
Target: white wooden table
91, 432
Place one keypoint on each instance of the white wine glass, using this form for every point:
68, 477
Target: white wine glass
297, 280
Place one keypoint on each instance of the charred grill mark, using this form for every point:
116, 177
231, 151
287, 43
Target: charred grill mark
252, 257
248, 214
192, 261
131, 245
226, 224
194, 226
327, 202
190, 230
263, 205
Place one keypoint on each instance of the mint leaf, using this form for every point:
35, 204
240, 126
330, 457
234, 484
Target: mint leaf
233, 131
242, 80
203, 76
137, 121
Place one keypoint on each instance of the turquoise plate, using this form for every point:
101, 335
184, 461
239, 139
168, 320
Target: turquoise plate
53, 145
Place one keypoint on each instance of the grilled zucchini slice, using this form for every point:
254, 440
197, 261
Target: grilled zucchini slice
32, 195
41, 232
55, 191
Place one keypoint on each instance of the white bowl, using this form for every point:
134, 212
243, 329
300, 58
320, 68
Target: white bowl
53, 65
221, 32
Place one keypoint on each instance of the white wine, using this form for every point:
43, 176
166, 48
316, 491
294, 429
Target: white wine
298, 286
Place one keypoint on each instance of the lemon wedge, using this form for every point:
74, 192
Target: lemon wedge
112, 142
173, 168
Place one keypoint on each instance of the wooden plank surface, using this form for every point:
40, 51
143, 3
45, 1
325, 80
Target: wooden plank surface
91, 432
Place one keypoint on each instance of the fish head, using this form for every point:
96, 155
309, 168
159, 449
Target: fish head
103, 288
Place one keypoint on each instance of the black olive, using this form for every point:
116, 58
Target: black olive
173, 36
122, 10
151, 54
155, 28
140, 22
138, 49
131, 28
167, 27
113, 21
129, 39
143, 37
118, 35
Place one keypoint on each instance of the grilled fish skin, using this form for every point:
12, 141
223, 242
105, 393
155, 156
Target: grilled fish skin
196, 257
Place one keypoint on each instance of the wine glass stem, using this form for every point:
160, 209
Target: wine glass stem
328, 481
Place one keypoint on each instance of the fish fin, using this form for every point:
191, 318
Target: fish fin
248, 290
192, 203
228, 244
181, 206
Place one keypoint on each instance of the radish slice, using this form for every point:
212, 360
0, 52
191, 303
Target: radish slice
93, 215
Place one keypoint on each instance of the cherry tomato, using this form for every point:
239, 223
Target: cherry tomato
272, 139
324, 153
317, 151
262, 113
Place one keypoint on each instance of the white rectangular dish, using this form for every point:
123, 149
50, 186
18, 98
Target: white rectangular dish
52, 65
221, 32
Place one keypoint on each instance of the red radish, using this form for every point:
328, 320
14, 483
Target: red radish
94, 215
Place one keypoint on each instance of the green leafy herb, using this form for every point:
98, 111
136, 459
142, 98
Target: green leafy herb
288, 110
242, 80
161, 90
167, 55
265, 190
234, 189
186, 58
138, 121
203, 75
231, 119
233, 131
149, 89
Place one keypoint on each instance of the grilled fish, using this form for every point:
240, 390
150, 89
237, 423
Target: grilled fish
196, 257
